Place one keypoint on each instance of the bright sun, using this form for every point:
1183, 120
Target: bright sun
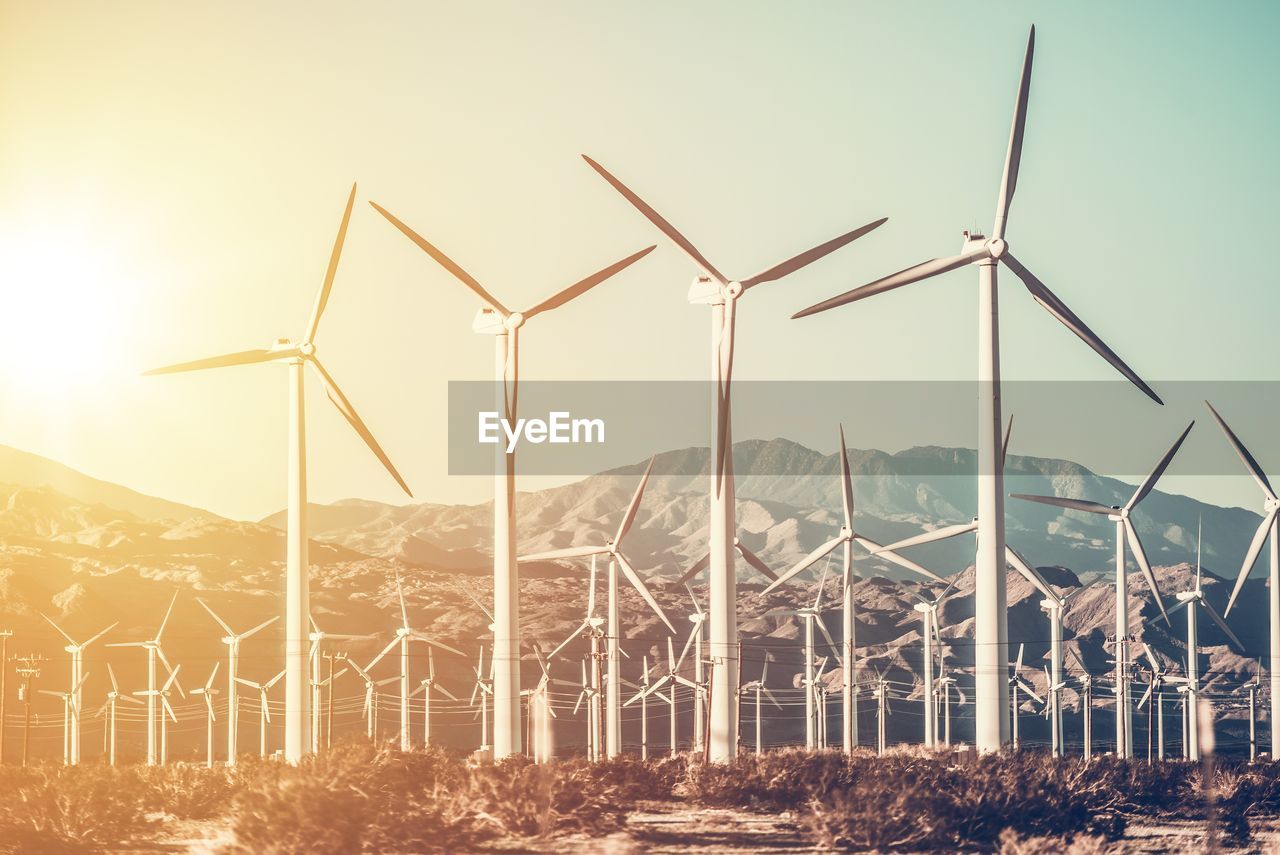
65, 313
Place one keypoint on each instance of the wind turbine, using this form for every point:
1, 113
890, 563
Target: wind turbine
404, 634
68, 700
1193, 599
541, 712
712, 288
1125, 532
928, 609
297, 694
318, 637
484, 688
232, 640
264, 708
669, 680
426, 687
504, 325
371, 701
760, 689
1252, 688
847, 537
1015, 683
76, 704
166, 707
1054, 604
206, 692
946, 685
1270, 526
991, 642
108, 710
613, 549
1086, 703
1159, 679
812, 617
154, 653
881, 692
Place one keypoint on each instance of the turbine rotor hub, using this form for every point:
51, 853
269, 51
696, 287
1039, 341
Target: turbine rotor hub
997, 247
307, 348
514, 321
732, 291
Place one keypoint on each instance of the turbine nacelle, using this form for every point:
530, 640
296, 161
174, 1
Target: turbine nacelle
488, 322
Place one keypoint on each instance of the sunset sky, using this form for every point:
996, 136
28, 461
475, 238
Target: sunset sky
172, 176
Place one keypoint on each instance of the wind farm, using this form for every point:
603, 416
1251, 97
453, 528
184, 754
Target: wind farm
746, 611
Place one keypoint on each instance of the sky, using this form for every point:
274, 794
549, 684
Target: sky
172, 177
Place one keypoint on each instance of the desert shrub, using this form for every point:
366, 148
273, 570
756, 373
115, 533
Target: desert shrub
1012, 843
186, 791
775, 780
518, 798
52, 808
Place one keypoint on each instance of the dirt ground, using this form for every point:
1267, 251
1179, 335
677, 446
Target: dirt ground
665, 828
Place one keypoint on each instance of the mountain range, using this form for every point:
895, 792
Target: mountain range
87, 553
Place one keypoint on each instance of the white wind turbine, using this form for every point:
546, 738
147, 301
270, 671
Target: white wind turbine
847, 537
812, 617
264, 707
1194, 599
297, 694
1054, 604
68, 699
484, 689
166, 708
1126, 532
928, 609
76, 704
108, 711
405, 634
1015, 683
318, 637
1086, 703
712, 288
590, 693
991, 689
206, 693
760, 689
232, 640
541, 712
617, 560
426, 687
650, 687
154, 654
371, 699
504, 325
1159, 679
882, 692
1270, 526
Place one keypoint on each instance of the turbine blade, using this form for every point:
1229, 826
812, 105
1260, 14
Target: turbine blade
754, 561
916, 273
1146, 696
1004, 446
1030, 573
1222, 624
831, 642
404, 611
60, 630
577, 632
1243, 453
1009, 181
1141, 555
353, 418
568, 552
638, 584
322, 298
579, 288
663, 226
809, 256
930, 537
426, 639
394, 641
1255, 547
1071, 504
634, 507
1068, 318
1149, 483
261, 626
214, 615
444, 261
806, 562
891, 556
163, 623
115, 687
846, 483
244, 357
698, 566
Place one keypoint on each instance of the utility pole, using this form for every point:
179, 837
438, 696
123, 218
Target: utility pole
28, 669
328, 716
5, 635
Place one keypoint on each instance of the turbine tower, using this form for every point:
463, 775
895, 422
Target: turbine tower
1125, 532
154, 653
504, 325
1270, 526
712, 288
991, 691
297, 692
76, 703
